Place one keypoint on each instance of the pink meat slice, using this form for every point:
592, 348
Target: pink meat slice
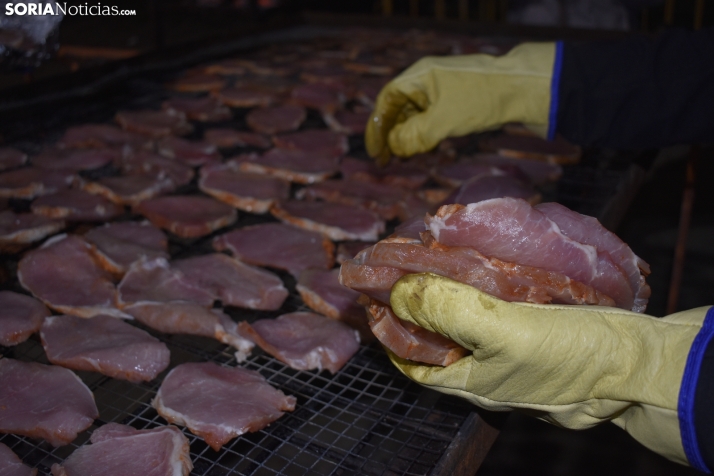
219, 403
153, 280
349, 249
387, 201
129, 189
18, 230
104, 344
254, 193
317, 96
76, 159
280, 246
204, 109
154, 123
321, 290
485, 187
347, 122
287, 164
396, 174
11, 158
20, 317
228, 138
76, 205
11, 465
181, 317
305, 340
538, 172
158, 167
234, 283
187, 216
120, 450
510, 229
454, 175
191, 153
314, 141
91, 136
31, 182
118, 245
336, 221
85, 289
44, 401
589, 231
276, 119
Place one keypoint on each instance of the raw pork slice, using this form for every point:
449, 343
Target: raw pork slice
129, 189
18, 230
293, 165
76, 160
154, 123
347, 122
198, 83
158, 167
243, 96
118, 245
191, 153
11, 465
76, 205
11, 158
104, 344
229, 138
187, 216
349, 249
396, 174
192, 319
93, 136
254, 193
385, 200
120, 450
44, 401
321, 290
486, 187
538, 172
85, 289
31, 182
234, 283
205, 109
338, 222
511, 230
20, 317
276, 119
317, 96
152, 280
314, 141
305, 340
278, 246
219, 403
558, 151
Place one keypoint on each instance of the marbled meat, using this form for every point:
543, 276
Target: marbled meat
20, 317
276, 119
76, 205
18, 230
187, 216
118, 245
11, 465
254, 193
31, 182
337, 222
287, 164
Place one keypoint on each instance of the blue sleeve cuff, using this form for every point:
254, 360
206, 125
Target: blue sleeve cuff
687, 393
555, 90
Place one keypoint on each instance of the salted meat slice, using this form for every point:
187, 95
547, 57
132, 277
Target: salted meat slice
154, 123
198, 83
317, 96
187, 216
387, 201
349, 249
120, 450
538, 172
293, 165
118, 245
254, 193
247, 96
76, 205
20, 317
76, 159
182, 317
11, 158
314, 141
347, 122
191, 153
153, 280
234, 283
11, 465
204, 109
321, 291
512, 230
158, 167
395, 174
410, 341
85, 289
31, 182
18, 230
104, 344
279, 246
93, 136
129, 189
191, 394
305, 340
276, 119
589, 231
229, 138
44, 401
558, 151
336, 221
485, 187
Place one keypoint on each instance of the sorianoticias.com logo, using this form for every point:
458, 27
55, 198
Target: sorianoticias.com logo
52, 8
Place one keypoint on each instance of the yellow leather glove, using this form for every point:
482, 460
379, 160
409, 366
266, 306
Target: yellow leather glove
574, 366
439, 97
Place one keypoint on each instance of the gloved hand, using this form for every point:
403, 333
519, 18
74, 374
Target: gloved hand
439, 97
574, 366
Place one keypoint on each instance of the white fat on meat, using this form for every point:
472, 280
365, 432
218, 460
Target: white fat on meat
11, 465
118, 245
20, 317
